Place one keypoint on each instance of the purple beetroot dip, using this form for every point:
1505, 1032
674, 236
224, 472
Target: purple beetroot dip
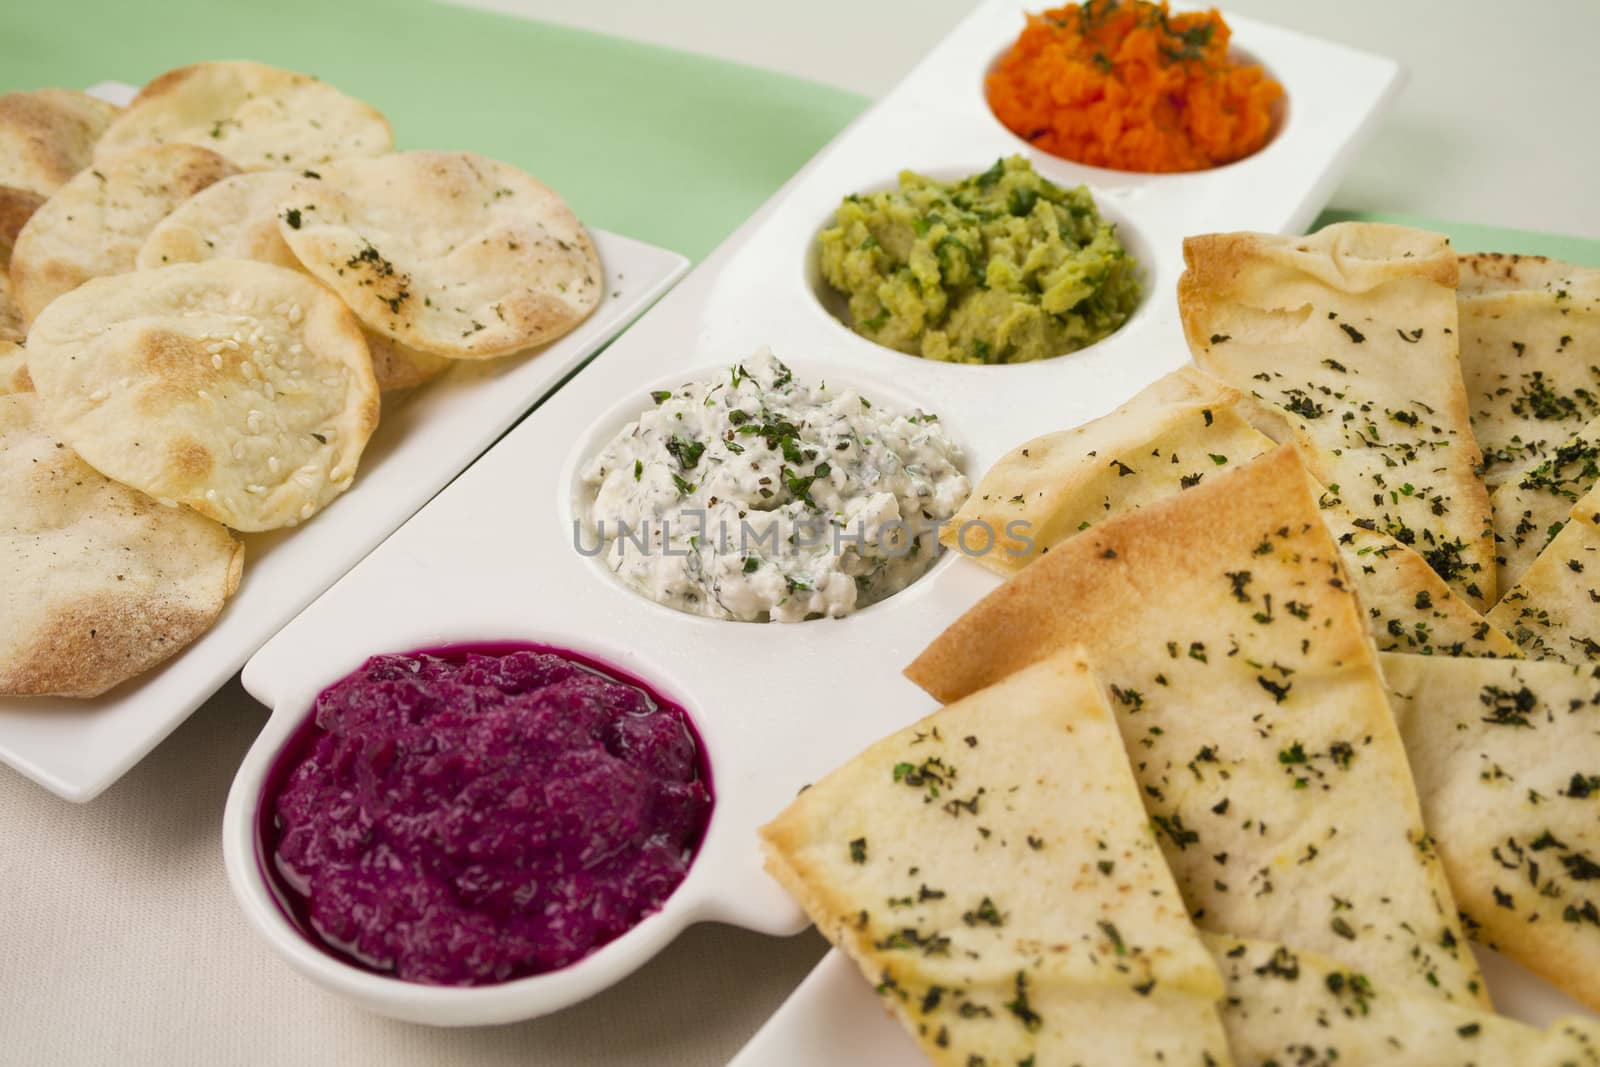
469, 816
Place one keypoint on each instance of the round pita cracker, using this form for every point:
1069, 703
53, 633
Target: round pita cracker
446, 252
14, 369
237, 218
260, 117
48, 135
16, 208
102, 583
13, 359
240, 389
96, 223
397, 366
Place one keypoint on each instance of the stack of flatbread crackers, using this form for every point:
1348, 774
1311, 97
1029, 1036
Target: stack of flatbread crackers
1289, 696
202, 297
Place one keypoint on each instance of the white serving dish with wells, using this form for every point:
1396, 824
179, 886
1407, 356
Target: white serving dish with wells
493, 557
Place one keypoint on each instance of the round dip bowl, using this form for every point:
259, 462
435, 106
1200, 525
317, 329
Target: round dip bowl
247, 866
1278, 118
576, 502
834, 305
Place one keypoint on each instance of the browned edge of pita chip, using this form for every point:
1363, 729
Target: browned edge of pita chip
16, 208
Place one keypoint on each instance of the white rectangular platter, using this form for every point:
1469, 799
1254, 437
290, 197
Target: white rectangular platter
76, 748
836, 1017
493, 557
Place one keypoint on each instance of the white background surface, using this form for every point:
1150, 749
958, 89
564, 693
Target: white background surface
119, 941
1497, 125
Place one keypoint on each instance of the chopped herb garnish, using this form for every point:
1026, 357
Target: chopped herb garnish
1020, 1008
686, 451
985, 914
1177, 833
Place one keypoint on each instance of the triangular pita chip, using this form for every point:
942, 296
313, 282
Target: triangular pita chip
991, 868
1350, 335
1530, 509
1407, 606
1286, 1006
1553, 612
1249, 697
1530, 356
1507, 763
1169, 438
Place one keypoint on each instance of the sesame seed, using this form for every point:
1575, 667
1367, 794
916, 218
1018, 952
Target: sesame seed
296, 349
267, 388
307, 510
216, 361
211, 494
294, 313
98, 395
252, 421
256, 489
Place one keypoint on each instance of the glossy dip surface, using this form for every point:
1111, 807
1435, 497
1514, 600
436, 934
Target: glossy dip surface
477, 814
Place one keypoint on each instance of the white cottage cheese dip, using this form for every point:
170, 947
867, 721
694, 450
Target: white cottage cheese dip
756, 495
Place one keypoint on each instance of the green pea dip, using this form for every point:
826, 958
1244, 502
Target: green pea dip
1001, 267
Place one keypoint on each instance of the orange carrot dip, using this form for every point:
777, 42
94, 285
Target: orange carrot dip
1124, 84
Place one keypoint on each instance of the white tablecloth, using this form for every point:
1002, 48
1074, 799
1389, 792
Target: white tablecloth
120, 943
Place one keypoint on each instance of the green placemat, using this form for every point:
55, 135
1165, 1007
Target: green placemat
668, 147
1470, 237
